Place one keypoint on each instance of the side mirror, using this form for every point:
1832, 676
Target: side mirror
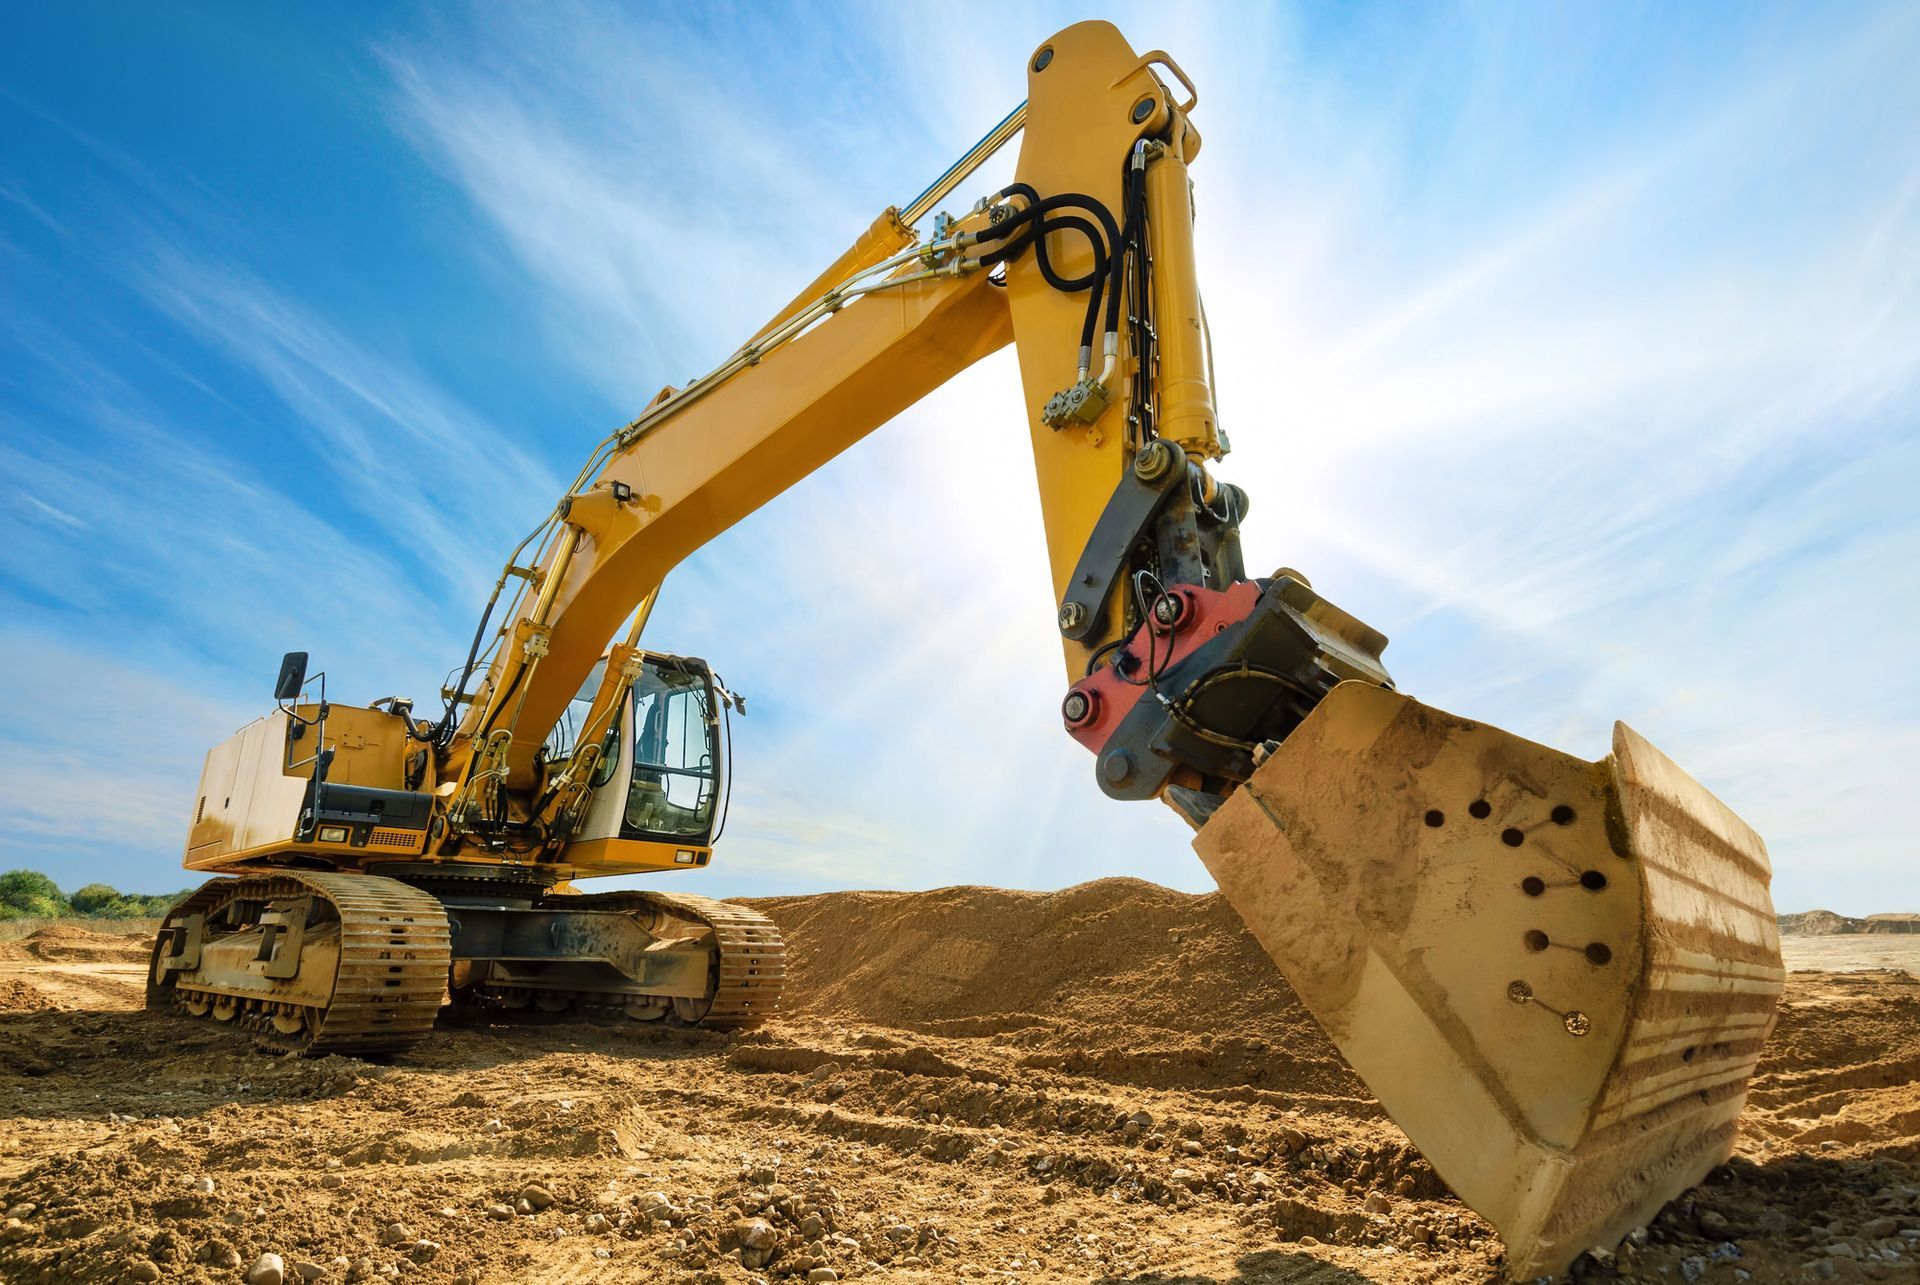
293, 676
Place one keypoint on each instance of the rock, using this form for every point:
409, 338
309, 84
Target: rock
822, 1274
899, 1233
1713, 1224
492, 1126
204, 1186
523, 1206
536, 1195
500, 1212
598, 1223
396, 1234
812, 1227
217, 1253
1378, 1203
603, 1253
1140, 1118
332, 1181
268, 1269
1879, 1228
307, 1270
423, 1251
1131, 1129
1693, 1267
1825, 1269
22, 1210
756, 1234
1191, 1147
449, 1212
142, 1270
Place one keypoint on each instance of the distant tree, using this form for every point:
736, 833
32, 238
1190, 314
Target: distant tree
28, 892
97, 899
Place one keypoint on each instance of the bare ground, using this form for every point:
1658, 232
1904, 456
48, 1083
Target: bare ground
949, 1098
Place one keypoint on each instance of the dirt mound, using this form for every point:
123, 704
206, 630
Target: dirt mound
1825, 923
1107, 1083
61, 943
1094, 972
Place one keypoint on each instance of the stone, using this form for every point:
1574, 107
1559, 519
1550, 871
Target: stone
268, 1269
812, 1227
1191, 1147
899, 1233
332, 1181
142, 1270
819, 1275
396, 1234
500, 1212
307, 1270
756, 1234
424, 1251
1713, 1224
1378, 1203
598, 1223
204, 1186
536, 1195
1879, 1228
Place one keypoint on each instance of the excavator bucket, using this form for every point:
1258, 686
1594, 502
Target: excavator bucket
1555, 975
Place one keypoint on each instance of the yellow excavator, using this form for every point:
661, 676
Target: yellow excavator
1555, 974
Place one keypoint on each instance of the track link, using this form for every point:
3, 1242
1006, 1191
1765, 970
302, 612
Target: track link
387, 985
750, 957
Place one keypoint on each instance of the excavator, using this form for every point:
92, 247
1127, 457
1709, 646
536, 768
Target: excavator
1556, 974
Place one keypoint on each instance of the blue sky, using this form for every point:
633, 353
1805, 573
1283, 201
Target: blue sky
1576, 347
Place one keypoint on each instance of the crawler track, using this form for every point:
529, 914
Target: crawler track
750, 957
388, 982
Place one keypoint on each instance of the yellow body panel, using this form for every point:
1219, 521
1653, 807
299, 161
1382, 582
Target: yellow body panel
253, 784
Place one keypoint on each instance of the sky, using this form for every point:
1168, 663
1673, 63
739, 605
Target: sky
1576, 347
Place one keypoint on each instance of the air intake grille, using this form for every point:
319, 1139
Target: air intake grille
408, 839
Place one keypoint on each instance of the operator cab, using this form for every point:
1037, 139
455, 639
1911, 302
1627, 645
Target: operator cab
659, 782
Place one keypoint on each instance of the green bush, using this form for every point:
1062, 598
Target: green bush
28, 892
96, 899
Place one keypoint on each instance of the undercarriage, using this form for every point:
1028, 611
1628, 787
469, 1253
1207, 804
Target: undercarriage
363, 963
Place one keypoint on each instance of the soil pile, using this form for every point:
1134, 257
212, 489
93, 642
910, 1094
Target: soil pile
63, 942
1110, 1084
1093, 970
1825, 923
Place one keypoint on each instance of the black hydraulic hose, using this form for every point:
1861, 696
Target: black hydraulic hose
1034, 225
1093, 280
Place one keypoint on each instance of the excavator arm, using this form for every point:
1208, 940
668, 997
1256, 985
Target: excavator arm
1181, 667
1556, 974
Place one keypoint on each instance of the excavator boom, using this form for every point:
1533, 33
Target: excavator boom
1556, 974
